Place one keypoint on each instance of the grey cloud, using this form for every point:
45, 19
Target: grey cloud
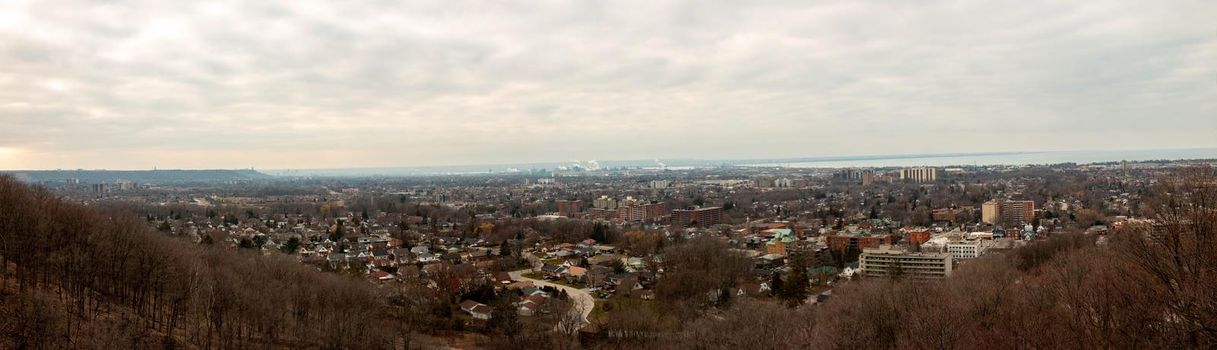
332, 84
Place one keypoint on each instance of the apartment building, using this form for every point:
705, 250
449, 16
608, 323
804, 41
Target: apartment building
569, 208
1005, 211
965, 250
919, 174
697, 217
888, 261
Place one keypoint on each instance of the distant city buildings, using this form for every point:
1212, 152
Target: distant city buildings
604, 202
126, 186
864, 176
660, 184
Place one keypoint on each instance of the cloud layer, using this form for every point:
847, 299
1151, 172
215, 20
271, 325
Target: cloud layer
312, 84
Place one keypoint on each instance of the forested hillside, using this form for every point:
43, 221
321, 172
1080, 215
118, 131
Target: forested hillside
77, 279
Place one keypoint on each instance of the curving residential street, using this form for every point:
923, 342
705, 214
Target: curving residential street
583, 299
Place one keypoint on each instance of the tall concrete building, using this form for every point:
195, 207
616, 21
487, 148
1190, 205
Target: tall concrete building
887, 261
1004, 211
919, 174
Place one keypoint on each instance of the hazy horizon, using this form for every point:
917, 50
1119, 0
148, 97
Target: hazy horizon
135, 84
815, 161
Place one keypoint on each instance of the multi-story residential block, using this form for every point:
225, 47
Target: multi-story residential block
857, 242
917, 237
604, 202
964, 250
636, 211
569, 208
887, 261
943, 214
701, 217
868, 178
919, 174
1006, 211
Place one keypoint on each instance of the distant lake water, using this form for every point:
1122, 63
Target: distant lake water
1020, 158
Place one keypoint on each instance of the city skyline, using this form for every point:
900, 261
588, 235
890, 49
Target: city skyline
137, 85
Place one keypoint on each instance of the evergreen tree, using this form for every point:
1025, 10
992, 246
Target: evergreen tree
504, 320
337, 234
794, 291
775, 284
291, 245
600, 233
725, 297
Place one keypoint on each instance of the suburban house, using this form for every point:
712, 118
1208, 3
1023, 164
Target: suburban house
478, 310
575, 273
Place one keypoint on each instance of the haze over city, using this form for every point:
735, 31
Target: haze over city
312, 84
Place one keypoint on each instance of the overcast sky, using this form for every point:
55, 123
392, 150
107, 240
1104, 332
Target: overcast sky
325, 84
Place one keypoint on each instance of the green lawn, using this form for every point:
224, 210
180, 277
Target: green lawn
597, 311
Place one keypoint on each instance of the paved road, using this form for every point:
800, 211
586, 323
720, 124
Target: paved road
580, 296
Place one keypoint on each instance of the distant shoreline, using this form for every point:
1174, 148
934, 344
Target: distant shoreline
866, 161
859, 161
